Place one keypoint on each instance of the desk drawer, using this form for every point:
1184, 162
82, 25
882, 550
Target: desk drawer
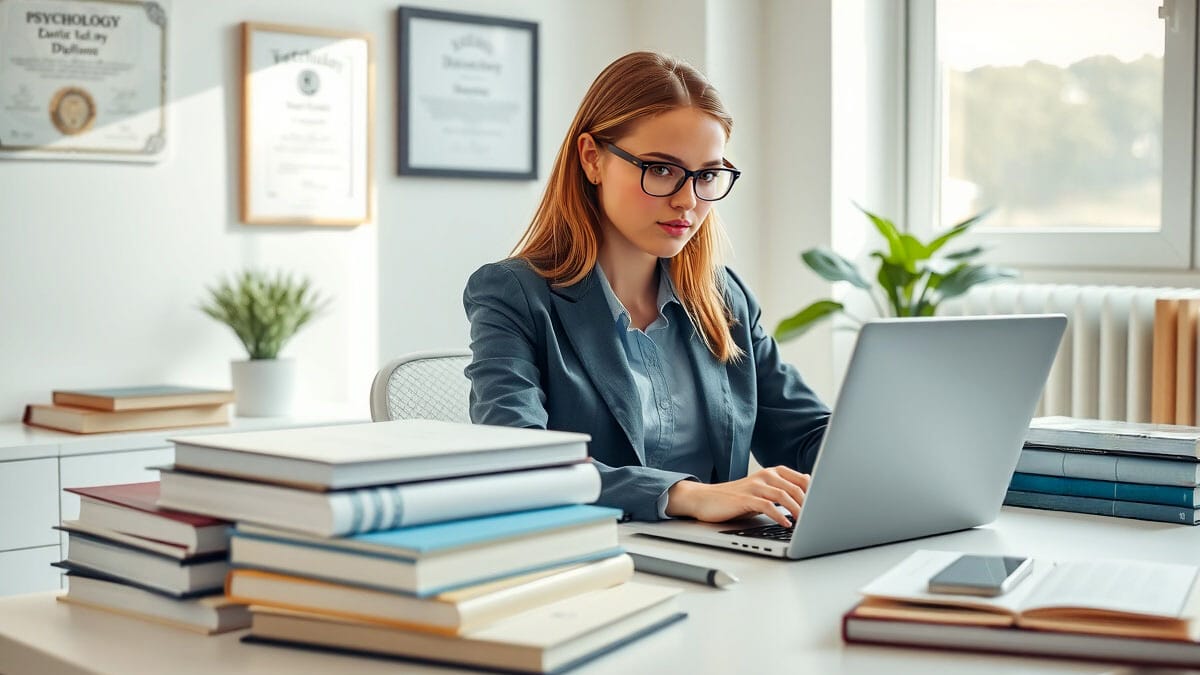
29, 571
28, 503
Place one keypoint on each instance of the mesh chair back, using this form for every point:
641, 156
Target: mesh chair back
424, 385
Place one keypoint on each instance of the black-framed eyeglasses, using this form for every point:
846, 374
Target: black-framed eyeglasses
663, 179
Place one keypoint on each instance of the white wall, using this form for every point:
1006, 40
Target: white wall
798, 148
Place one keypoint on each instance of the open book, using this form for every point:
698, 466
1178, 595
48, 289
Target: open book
1104, 597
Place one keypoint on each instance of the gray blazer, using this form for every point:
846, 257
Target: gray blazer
548, 357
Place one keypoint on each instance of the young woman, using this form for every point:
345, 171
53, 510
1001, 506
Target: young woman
614, 316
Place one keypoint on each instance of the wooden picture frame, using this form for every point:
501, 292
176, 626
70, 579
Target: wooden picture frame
308, 118
468, 95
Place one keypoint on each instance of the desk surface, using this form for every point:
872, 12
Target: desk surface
784, 616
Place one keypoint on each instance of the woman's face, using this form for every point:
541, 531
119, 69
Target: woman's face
657, 226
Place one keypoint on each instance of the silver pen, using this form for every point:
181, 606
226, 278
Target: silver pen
681, 570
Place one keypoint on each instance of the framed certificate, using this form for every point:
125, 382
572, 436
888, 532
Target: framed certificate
468, 95
83, 80
307, 118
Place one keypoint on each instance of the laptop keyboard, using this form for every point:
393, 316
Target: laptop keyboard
775, 532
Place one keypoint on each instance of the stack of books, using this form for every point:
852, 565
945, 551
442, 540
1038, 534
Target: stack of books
455, 543
88, 411
126, 555
1104, 610
1122, 469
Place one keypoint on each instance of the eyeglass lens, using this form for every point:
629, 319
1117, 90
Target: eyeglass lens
661, 180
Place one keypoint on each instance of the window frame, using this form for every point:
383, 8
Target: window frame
1172, 247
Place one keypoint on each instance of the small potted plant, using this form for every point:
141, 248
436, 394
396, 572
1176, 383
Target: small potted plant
911, 278
264, 311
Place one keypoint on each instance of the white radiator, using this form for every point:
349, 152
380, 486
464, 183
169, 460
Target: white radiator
1104, 366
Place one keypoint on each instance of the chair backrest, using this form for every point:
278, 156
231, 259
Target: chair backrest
423, 385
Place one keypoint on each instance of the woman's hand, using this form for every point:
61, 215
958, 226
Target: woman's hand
756, 493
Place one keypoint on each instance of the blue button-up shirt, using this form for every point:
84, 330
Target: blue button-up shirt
666, 383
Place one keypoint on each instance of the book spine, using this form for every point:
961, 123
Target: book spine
1168, 495
389, 507
1100, 507
1114, 468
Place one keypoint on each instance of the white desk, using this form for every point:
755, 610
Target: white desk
784, 617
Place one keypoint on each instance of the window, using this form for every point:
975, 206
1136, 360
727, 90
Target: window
1071, 119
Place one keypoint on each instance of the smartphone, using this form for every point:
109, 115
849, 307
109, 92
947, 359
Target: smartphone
988, 575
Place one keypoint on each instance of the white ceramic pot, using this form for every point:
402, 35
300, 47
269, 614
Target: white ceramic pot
264, 387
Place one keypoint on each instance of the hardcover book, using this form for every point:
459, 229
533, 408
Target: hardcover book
1167, 495
191, 576
208, 614
549, 639
141, 398
378, 453
354, 511
132, 508
449, 613
90, 421
1114, 436
1103, 507
1110, 467
429, 559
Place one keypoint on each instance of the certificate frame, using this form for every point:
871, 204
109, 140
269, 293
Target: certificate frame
84, 81
484, 65
308, 120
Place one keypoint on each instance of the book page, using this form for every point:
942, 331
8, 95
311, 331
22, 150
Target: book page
1134, 587
909, 582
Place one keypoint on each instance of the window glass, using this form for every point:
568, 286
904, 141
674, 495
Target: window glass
1052, 113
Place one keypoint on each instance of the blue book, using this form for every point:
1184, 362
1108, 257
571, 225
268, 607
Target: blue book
429, 559
1103, 507
1169, 495
1116, 468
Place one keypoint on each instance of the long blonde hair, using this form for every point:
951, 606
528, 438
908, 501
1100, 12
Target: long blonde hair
563, 239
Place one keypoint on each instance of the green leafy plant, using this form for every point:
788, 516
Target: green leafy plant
263, 310
911, 279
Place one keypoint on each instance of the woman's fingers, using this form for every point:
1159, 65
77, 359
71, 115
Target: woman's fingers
804, 480
767, 508
785, 498
793, 489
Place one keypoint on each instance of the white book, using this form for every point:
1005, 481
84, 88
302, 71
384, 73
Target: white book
177, 577
344, 512
392, 568
551, 638
378, 453
449, 613
206, 614
1142, 438
160, 547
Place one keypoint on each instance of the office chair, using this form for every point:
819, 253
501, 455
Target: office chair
424, 385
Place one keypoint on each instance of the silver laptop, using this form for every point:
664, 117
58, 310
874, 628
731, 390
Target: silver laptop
924, 437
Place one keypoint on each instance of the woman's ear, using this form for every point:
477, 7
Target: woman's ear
589, 157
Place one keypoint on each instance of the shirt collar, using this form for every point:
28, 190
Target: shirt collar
666, 294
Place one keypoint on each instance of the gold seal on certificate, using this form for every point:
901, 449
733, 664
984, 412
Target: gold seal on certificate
72, 110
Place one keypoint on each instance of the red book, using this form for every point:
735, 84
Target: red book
132, 509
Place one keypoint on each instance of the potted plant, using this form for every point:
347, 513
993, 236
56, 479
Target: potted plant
264, 311
911, 280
